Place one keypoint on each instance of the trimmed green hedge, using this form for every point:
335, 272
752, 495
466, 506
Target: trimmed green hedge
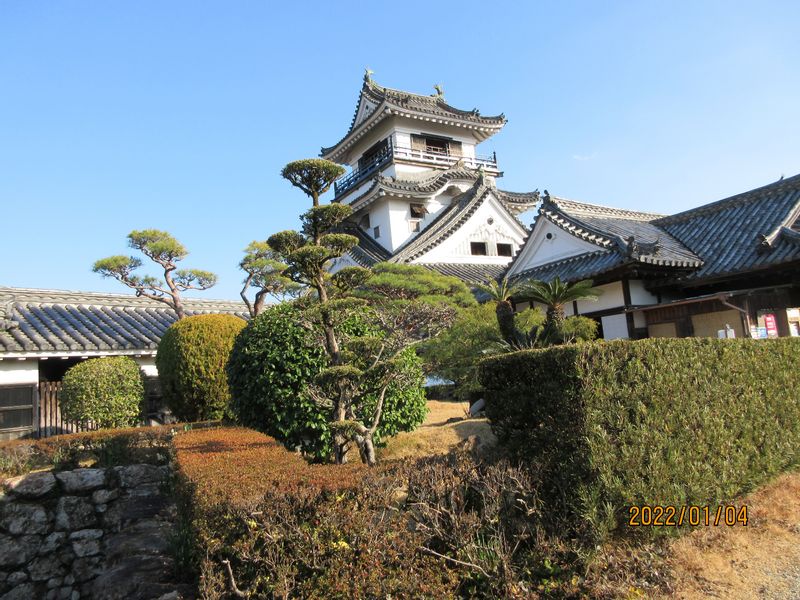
191, 360
659, 422
108, 391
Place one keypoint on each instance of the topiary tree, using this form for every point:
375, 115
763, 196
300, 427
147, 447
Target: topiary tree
108, 391
166, 251
191, 360
271, 373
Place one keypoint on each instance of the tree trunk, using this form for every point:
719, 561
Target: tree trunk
505, 320
554, 324
368, 450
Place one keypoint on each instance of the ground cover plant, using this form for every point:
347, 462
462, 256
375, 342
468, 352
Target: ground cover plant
258, 521
108, 391
654, 422
104, 447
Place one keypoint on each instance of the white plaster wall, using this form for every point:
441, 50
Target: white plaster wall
19, 372
540, 250
379, 217
639, 320
503, 229
639, 295
615, 327
340, 263
611, 297
148, 365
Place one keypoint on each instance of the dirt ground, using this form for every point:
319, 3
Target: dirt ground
761, 560
446, 426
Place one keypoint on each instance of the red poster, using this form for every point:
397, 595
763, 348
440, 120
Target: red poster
771, 324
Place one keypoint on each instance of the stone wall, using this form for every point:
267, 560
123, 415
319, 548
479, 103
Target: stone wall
67, 534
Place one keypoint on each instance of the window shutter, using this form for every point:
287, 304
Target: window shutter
418, 143
455, 148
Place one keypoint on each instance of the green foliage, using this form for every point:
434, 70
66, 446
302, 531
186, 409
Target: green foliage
265, 273
271, 362
286, 242
312, 175
108, 391
555, 294
163, 249
319, 219
414, 282
578, 328
191, 361
274, 359
349, 278
659, 422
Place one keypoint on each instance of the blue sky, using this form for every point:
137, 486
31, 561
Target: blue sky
179, 115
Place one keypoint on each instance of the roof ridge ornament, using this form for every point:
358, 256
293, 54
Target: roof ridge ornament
368, 75
439, 95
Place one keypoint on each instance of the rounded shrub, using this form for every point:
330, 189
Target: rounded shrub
108, 391
273, 360
191, 361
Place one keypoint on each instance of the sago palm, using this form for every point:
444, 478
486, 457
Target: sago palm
555, 294
500, 292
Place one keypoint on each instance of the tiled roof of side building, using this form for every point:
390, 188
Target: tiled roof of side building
55, 321
391, 101
469, 273
574, 268
632, 233
368, 251
749, 231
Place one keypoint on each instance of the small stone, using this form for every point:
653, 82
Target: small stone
135, 475
100, 508
24, 518
54, 582
17, 577
75, 595
45, 567
26, 591
104, 496
65, 592
74, 513
69, 579
86, 542
51, 595
82, 480
52, 542
18, 551
84, 569
65, 556
32, 485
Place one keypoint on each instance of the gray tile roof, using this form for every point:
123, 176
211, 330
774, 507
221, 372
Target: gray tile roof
747, 232
426, 184
742, 233
56, 321
389, 101
575, 268
469, 273
632, 233
368, 252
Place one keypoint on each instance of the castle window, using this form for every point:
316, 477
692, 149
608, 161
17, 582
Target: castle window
413, 225
505, 250
376, 232
364, 222
478, 248
418, 211
374, 154
436, 145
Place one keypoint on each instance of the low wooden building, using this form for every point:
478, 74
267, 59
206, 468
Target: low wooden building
44, 332
729, 268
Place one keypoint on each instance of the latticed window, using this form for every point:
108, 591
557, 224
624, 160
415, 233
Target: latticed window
505, 250
478, 248
16, 406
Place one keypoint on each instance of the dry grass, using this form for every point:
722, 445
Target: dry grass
447, 426
761, 560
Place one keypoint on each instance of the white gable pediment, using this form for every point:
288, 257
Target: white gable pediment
365, 109
490, 223
548, 243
